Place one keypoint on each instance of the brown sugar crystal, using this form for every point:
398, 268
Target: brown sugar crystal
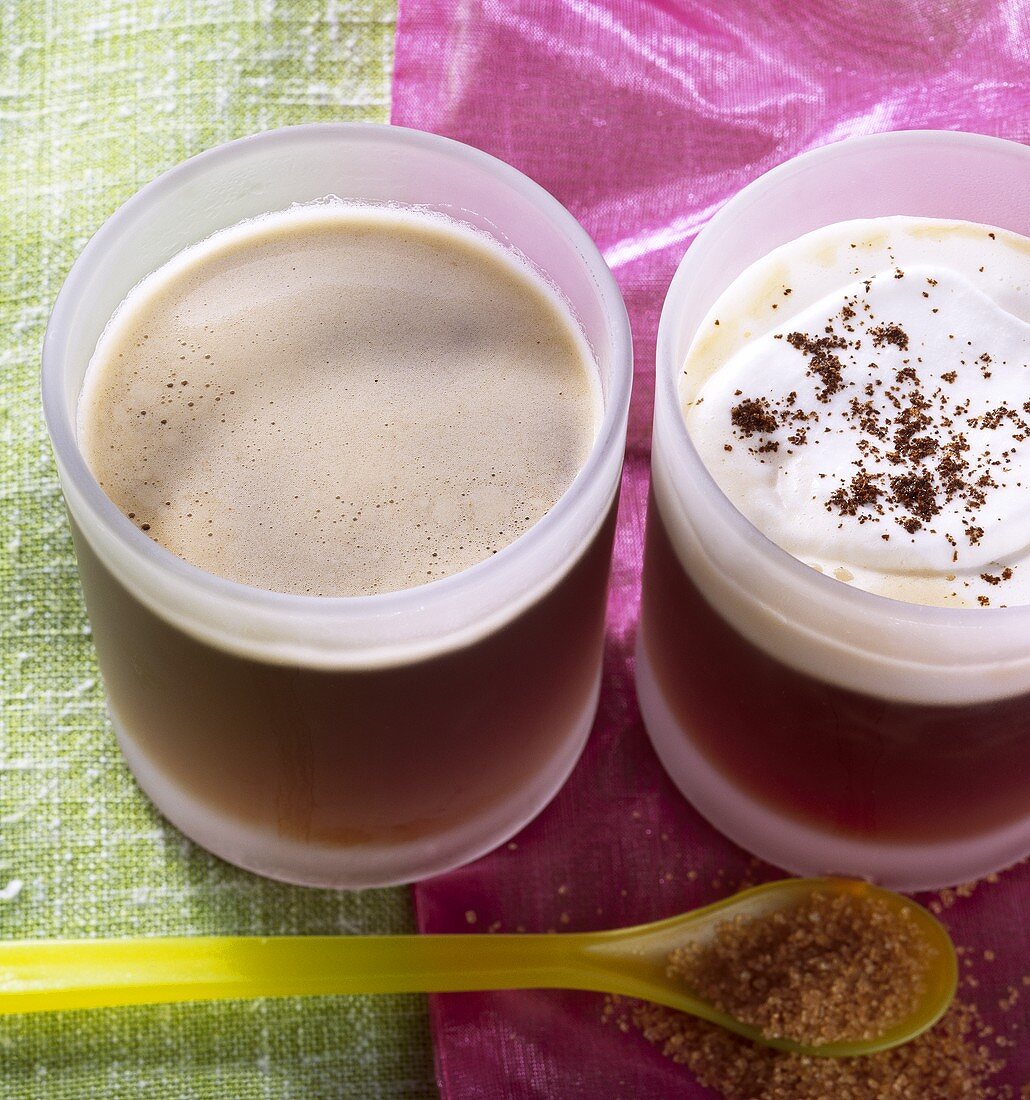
836, 968
951, 1060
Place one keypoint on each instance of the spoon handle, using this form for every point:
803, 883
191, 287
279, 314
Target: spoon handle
52, 975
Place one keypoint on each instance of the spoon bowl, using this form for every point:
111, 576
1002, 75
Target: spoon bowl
52, 975
639, 956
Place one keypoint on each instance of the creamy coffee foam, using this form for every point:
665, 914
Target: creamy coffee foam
862, 395
339, 400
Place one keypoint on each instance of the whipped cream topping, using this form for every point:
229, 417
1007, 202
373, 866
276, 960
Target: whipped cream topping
866, 405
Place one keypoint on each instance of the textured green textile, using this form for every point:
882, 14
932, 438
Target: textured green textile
96, 98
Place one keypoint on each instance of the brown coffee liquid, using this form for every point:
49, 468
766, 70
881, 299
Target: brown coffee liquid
395, 756
339, 401
839, 760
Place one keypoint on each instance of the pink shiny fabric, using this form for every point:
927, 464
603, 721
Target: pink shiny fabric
642, 118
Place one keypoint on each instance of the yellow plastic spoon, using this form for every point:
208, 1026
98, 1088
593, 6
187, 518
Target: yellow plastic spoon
51, 975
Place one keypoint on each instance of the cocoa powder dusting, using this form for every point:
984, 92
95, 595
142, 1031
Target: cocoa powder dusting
900, 419
822, 361
889, 334
753, 417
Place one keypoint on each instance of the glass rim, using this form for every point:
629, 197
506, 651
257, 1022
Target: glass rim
693, 473
62, 430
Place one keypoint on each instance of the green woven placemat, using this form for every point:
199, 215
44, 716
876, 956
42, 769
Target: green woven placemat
96, 98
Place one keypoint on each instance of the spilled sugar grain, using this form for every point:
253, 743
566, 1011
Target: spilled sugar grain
836, 967
956, 1060
953, 1060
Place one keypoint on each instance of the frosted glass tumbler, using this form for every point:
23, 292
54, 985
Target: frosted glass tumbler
357, 741
819, 726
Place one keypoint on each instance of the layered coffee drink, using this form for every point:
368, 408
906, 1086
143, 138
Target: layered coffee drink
862, 396
334, 403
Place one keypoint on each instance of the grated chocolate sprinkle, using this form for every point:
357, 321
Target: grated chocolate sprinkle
823, 362
903, 420
754, 416
889, 334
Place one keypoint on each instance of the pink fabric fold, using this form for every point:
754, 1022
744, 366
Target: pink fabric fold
642, 118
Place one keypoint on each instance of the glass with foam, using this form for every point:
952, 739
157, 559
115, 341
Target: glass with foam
823, 727
362, 740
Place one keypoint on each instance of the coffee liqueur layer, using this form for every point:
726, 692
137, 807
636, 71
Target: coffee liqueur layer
862, 395
339, 400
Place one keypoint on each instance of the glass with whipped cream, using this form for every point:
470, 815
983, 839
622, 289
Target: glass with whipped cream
834, 652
